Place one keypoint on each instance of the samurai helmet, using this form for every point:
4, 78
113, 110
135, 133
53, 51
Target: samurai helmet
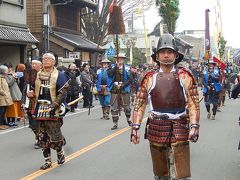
167, 41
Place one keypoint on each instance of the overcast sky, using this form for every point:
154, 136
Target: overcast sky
192, 17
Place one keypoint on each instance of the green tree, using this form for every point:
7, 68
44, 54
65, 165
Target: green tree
169, 11
138, 56
221, 46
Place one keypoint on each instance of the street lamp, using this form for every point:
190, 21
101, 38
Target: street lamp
46, 30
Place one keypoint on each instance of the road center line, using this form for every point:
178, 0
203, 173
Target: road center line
76, 154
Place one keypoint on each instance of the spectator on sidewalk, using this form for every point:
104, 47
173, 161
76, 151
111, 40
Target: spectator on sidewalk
5, 97
14, 111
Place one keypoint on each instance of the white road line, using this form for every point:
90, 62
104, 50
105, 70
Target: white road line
12, 130
22, 127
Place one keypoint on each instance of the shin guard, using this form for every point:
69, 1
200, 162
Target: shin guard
181, 155
159, 160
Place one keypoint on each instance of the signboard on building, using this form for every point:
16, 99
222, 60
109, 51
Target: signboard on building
74, 55
111, 52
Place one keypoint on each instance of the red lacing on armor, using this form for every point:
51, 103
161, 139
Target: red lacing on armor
166, 131
182, 70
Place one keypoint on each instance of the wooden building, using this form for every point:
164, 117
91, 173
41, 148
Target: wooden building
60, 32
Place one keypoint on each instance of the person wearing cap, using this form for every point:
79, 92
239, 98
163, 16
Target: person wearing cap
36, 64
174, 112
121, 79
212, 88
30, 74
49, 94
102, 85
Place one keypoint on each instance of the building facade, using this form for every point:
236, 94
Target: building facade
14, 33
57, 26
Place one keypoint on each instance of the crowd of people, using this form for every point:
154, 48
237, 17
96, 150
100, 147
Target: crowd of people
42, 94
11, 93
217, 83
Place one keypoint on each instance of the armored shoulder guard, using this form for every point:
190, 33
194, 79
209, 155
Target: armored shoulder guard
145, 75
142, 93
183, 70
193, 89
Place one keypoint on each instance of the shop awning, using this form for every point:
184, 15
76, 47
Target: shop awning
16, 35
78, 42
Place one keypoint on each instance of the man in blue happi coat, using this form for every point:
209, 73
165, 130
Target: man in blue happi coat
103, 88
212, 88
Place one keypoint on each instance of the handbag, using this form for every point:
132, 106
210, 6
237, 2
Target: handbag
94, 90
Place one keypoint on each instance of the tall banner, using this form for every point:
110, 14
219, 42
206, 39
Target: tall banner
207, 35
220, 63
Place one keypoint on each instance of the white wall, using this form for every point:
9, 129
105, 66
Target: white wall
12, 13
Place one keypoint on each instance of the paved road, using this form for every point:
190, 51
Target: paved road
94, 152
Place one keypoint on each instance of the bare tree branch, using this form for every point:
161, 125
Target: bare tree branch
95, 25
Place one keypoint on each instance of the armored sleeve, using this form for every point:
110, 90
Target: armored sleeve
141, 100
191, 91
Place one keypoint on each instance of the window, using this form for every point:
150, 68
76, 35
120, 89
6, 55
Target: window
67, 17
19, 3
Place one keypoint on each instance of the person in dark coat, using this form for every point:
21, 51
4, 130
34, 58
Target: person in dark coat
87, 83
73, 89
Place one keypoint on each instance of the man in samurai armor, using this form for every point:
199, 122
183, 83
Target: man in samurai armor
121, 79
229, 73
174, 112
225, 83
50, 93
212, 88
102, 85
30, 75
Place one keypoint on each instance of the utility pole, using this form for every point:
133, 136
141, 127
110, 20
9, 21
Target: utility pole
145, 31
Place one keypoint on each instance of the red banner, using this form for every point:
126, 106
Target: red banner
114, 2
220, 63
207, 31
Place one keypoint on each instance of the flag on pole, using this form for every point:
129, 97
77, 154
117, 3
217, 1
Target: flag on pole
220, 63
207, 36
